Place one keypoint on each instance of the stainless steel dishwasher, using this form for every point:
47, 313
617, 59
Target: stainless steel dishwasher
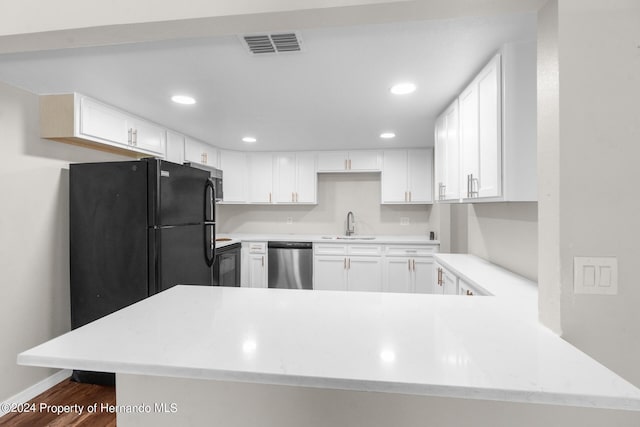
290, 265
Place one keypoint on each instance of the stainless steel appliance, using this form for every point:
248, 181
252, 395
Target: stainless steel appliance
226, 269
290, 265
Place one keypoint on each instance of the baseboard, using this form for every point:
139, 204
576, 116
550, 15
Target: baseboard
36, 389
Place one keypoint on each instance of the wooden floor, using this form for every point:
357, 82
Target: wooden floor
67, 393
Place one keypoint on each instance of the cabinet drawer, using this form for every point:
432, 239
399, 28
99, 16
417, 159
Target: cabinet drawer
329, 249
366, 250
410, 251
257, 247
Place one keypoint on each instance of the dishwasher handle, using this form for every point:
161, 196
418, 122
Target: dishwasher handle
290, 245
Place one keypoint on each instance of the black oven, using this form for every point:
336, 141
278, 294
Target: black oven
226, 268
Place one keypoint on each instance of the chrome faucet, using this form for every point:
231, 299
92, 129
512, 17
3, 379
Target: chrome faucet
350, 224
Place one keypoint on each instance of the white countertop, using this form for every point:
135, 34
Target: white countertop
492, 278
223, 243
433, 345
328, 238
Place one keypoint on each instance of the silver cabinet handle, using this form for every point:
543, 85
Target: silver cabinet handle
129, 136
409, 264
475, 186
414, 265
135, 137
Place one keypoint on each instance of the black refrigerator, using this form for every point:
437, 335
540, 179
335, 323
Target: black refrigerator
136, 229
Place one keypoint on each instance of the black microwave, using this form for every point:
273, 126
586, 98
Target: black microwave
216, 178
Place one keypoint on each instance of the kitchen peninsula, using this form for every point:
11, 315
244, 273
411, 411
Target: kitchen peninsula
290, 357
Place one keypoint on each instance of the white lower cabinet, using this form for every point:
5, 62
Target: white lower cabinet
255, 273
341, 267
408, 269
467, 289
373, 267
445, 282
329, 273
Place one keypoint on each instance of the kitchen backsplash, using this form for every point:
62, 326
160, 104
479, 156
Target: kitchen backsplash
337, 194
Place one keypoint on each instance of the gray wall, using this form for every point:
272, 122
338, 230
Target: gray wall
590, 200
337, 194
34, 254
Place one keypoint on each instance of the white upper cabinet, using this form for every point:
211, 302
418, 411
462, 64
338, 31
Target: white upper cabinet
496, 132
481, 134
82, 120
102, 122
260, 167
295, 178
175, 147
234, 176
200, 152
406, 176
447, 162
148, 136
349, 161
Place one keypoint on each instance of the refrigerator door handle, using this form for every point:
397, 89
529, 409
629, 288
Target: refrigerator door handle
209, 223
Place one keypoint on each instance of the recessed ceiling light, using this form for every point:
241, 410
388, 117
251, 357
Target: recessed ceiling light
403, 88
183, 99
249, 139
387, 135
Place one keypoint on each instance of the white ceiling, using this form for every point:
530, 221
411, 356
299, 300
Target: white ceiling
333, 95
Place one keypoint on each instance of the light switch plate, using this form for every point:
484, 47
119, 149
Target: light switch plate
595, 275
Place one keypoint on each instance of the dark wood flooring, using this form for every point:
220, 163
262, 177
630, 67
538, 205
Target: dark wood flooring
67, 393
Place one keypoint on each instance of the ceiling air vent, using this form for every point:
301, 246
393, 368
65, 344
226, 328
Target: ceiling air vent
273, 43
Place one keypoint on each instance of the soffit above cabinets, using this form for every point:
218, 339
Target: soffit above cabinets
331, 95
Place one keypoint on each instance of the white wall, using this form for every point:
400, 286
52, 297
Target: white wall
594, 204
505, 234
337, 194
34, 229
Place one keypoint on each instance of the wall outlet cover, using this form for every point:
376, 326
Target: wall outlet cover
404, 220
289, 220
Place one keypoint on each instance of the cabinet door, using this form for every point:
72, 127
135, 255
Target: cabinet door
397, 275
260, 184
449, 283
234, 176
440, 157
148, 136
284, 180
329, 273
195, 151
420, 167
451, 178
489, 178
175, 148
364, 274
98, 121
257, 271
364, 161
422, 275
306, 178
394, 176
332, 161
468, 102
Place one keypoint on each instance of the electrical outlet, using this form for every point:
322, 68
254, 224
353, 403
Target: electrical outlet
404, 220
289, 220
595, 275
